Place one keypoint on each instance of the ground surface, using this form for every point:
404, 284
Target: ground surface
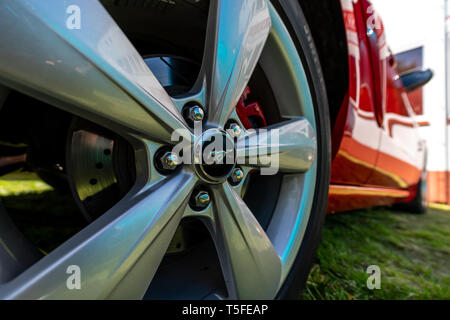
412, 251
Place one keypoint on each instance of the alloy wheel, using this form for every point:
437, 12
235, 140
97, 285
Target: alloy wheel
97, 74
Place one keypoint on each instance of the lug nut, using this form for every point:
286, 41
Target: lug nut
202, 199
196, 113
235, 129
236, 176
170, 161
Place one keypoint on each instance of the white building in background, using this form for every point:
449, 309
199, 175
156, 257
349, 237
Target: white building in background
424, 25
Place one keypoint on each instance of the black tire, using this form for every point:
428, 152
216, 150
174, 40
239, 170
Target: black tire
418, 205
293, 17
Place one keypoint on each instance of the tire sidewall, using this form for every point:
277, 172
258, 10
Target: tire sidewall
292, 15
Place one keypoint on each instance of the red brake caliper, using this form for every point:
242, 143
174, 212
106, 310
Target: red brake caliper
250, 114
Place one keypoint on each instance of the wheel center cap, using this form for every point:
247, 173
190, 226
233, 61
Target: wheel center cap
214, 156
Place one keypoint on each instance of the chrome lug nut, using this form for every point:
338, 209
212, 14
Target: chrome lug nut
236, 176
170, 161
235, 129
202, 199
196, 113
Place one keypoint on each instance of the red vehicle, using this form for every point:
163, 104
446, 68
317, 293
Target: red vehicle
379, 157
92, 93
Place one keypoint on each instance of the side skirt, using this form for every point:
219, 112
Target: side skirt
347, 198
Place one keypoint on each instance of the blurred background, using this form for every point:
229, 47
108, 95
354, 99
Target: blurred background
418, 33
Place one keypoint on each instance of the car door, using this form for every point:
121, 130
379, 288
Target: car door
401, 151
356, 158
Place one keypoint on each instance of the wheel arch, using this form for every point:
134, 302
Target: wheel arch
326, 23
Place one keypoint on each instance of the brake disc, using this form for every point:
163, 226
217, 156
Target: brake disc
100, 166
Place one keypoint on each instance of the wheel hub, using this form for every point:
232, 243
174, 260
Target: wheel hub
214, 156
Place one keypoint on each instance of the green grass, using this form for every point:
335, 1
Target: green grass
412, 251
27, 183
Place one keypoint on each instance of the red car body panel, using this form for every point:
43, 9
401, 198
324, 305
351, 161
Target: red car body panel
378, 153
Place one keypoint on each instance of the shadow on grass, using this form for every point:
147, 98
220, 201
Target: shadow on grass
413, 252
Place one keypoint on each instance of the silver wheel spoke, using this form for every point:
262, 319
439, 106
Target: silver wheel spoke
118, 254
290, 147
237, 31
251, 266
94, 72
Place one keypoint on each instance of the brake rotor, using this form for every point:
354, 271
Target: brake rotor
101, 167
